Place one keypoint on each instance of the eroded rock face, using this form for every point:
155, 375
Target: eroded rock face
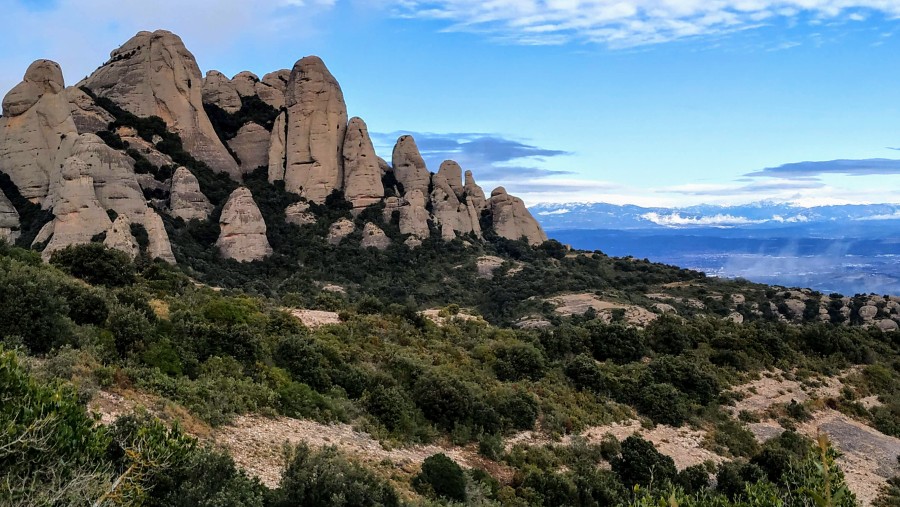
374, 237
251, 145
186, 201
409, 166
362, 175
316, 126
451, 215
277, 143
9, 220
244, 83
218, 91
153, 74
119, 237
512, 220
414, 217
36, 120
78, 214
91, 178
87, 115
243, 230
474, 193
340, 230
452, 173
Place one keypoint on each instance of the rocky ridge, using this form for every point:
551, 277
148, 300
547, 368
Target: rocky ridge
66, 150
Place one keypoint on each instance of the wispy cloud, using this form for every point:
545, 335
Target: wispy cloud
847, 167
625, 23
754, 188
491, 157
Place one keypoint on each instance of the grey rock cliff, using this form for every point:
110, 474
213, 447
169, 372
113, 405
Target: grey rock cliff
316, 125
120, 238
153, 74
243, 230
362, 174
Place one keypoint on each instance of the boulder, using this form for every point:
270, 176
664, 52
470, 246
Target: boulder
340, 230
298, 213
409, 166
119, 237
153, 74
243, 230
414, 217
9, 220
36, 119
512, 220
362, 175
87, 115
251, 145
186, 201
374, 237
316, 126
868, 313
277, 142
887, 325
218, 91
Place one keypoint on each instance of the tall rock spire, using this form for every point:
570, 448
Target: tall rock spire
362, 174
316, 126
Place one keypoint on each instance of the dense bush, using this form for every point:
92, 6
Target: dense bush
441, 477
95, 264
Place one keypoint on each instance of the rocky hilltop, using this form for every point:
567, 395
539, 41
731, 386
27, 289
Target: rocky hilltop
124, 155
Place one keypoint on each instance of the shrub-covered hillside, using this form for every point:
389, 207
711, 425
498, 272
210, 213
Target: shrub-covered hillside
94, 321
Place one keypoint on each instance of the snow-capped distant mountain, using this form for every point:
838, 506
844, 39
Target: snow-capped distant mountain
755, 215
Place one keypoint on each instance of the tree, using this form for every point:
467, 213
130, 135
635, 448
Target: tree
95, 264
641, 464
441, 477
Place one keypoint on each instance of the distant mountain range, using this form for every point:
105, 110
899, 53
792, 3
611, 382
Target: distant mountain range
764, 214
848, 249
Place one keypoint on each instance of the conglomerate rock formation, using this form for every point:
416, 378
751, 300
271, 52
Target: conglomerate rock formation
66, 150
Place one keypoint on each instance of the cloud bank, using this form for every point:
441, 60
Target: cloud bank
625, 23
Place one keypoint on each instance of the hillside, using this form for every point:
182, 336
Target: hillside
218, 295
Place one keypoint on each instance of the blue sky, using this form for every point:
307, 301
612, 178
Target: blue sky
652, 102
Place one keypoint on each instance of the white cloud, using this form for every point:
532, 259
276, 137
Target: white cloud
678, 220
624, 23
561, 211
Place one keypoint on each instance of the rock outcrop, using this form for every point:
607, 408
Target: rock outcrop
316, 125
512, 220
244, 83
452, 173
277, 145
36, 120
87, 115
409, 166
251, 145
9, 220
92, 178
243, 230
374, 237
340, 230
153, 74
218, 91
362, 174
120, 238
299, 214
414, 217
450, 215
186, 201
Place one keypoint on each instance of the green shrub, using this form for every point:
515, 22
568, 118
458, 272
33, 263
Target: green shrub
641, 464
519, 361
95, 264
324, 478
444, 399
441, 477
